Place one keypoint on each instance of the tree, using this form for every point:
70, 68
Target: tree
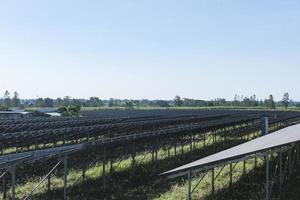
247, 101
7, 100
286, 100
129, 104
162, 103
48, 102
177, 101
271, 102
15, 100
67, 101
59, 102
253, 100
69, 110
111, 102
95, 101
77, 102
40, 102
236, 101
3, 108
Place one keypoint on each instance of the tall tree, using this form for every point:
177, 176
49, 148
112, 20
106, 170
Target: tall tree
67, 101
95, 101
7, 100
48, 102
236, 101
128, 104
286, 100
111, 102
271, 102
40, 102
59, 102
15, 100
177, 101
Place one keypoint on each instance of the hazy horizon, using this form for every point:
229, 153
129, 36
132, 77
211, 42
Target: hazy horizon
150, 49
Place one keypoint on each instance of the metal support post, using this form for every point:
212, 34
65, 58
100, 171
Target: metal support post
255, 162
280, 174
267, 177
65, 176
153, 150
298, 155
191, 147
4, 186
189, 185
111, 168
264, 126
230, 174
49, 183
12, 171
133, 159
214, 138
156, 149
290, 161
175, 148
103, 168
194, 142
182, 150
213, 181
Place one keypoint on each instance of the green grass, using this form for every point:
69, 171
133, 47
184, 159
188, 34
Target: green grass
203, 191
146, 184
93, 176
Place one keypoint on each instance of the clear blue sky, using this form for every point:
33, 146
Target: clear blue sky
150, 48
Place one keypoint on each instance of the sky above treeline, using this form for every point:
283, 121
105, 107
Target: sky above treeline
150, 49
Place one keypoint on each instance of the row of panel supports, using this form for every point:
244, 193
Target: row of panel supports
287, 158
12, 172
192, 140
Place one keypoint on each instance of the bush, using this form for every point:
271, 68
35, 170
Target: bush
69, 110
4, 108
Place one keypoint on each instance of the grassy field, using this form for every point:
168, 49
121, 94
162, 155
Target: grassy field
243, 185
145, 184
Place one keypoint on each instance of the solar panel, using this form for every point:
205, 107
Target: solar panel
279, 138
8, 160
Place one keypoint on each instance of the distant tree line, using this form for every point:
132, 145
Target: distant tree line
239, 101
11, 101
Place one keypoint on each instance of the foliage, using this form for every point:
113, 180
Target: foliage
286, 100
11, 102
15, 100
69, 110
7, 100
270, 103
128, 104
177, 101
161, 103
4, 108
111, 102
94, 102
48, 102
